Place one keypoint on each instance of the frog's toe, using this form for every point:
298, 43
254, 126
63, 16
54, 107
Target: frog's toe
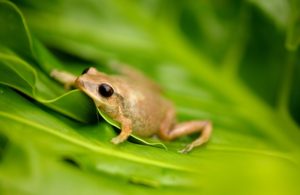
187, 149
116, 140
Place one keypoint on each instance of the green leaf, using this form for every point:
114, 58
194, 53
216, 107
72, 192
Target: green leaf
293, 34
286, 15
21, 43
277, 10
50, 134
20, 75
245, 91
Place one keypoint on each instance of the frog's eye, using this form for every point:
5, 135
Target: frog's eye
85, 70
105, 90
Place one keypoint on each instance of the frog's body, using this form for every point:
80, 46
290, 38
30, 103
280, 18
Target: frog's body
136, 104
141, 107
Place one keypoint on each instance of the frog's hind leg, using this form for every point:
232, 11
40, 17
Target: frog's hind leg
204, 127
186, 128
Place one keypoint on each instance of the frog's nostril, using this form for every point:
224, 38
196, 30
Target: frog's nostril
85, 70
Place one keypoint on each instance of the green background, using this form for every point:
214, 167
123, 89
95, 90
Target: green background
236, 63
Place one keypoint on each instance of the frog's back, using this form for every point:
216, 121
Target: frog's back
146, 108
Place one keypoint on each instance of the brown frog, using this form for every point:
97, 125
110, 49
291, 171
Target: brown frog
136, 104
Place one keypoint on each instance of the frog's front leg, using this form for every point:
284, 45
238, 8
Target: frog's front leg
126, 130
67, 79
170, 132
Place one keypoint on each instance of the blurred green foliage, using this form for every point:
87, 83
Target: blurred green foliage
236, 63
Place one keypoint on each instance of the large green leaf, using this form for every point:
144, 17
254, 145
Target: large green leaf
255, 144
20, 75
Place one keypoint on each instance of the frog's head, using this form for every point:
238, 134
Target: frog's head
100, 87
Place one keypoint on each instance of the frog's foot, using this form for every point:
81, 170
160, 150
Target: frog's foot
118, 140
187, 149
64, 77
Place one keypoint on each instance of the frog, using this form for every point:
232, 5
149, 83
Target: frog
136, 103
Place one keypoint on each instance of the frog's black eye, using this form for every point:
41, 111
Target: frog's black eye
85, 70
105, 90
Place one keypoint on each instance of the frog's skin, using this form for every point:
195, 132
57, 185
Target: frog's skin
136, 104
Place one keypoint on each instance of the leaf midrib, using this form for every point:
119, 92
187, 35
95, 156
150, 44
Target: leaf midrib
103, 151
